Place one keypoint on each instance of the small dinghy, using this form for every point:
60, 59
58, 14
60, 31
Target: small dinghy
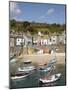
46, 69
13, 60
26, 69
27, 62
19, 76
51, 78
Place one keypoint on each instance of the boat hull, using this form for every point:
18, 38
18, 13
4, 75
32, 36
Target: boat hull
53, 79
27, 69
18, 77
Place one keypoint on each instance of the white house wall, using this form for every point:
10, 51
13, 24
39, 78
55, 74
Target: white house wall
44, 42
11, 42
49, 42
54, 39
19, 41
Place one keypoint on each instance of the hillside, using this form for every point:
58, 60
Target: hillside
34, 27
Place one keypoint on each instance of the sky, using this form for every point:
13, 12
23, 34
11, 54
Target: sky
37, 12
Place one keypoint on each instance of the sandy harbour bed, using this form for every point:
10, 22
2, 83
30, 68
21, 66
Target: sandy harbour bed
43, 58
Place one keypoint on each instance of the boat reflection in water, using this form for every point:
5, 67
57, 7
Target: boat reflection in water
19, 76
47, 84
26, 69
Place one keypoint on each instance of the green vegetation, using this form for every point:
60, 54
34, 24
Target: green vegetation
34, 28
13, 24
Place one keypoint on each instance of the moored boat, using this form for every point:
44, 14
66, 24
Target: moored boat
19, 75
13, 60
26, 69
47, 68
27, 62
50, 79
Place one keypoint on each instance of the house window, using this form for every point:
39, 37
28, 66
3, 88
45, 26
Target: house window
50, 39
53, 36
53, 40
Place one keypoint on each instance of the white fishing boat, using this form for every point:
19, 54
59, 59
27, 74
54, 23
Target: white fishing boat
26, 69
46, 69
51, 78
13, 60
27, 61
19, 76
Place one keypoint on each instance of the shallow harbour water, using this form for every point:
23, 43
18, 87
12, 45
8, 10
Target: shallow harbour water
33, 79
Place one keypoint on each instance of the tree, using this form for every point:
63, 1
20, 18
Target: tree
26, 25
32, 30
12, 24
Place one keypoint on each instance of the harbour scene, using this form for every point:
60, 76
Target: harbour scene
37, 49
27, 71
